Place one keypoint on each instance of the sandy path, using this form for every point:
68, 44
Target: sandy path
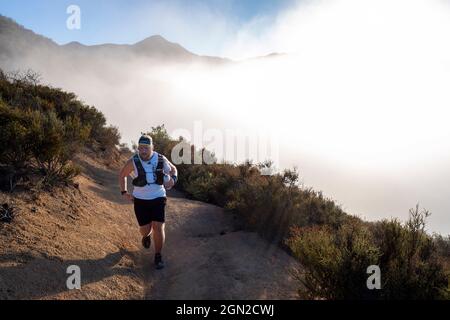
207, 258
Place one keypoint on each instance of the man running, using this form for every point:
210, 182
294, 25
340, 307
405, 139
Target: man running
153, 174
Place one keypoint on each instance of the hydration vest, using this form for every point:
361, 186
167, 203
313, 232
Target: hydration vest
141, 179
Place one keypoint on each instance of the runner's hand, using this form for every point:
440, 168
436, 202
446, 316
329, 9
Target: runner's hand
169, 184
128, 196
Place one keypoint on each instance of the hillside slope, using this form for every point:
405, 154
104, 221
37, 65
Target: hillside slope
207, 257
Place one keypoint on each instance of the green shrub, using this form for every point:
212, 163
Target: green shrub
334, 262
410, 261
54, 144
14, 137
443, 245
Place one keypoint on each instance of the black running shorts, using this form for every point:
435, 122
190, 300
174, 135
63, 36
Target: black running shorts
150, 210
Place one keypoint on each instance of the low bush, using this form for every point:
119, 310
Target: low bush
334, 262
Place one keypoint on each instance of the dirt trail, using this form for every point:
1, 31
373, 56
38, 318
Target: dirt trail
206, 255
208, 259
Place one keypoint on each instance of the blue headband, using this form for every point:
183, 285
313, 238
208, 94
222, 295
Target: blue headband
145, 140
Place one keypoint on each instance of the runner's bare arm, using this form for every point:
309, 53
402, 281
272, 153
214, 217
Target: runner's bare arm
173, 169
124, 173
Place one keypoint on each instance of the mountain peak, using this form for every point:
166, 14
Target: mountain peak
158, 45
154, 38
74, 44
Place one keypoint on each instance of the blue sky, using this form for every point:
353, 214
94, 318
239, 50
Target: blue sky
202, 26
